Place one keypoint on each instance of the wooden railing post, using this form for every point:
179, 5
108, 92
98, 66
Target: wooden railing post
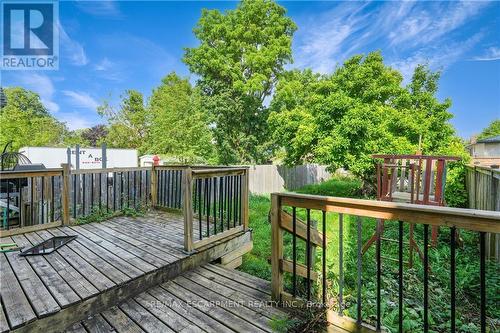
246, 193
66, 171
276, 248
188, 209
154, 184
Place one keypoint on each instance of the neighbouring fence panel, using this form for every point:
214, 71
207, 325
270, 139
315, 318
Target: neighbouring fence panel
30, 198
275, 178
108, 190
483, 187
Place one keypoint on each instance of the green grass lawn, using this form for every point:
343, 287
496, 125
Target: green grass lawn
256, 263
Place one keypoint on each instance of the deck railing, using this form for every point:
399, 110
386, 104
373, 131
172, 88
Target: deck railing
216, 197
317, 287
217, 204
28, 199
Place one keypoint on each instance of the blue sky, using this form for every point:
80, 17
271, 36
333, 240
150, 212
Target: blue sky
107, 47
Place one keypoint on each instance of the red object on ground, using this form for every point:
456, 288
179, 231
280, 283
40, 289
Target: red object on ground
156, 160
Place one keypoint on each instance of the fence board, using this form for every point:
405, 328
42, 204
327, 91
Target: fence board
265, 179
483, 187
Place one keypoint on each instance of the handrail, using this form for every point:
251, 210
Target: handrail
108, 170
33, 173
282, 221
469, 219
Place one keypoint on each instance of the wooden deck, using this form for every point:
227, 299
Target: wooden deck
106, 264
206, 299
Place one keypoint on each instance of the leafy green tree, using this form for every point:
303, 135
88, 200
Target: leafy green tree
129, 124
241, 54
75, 137
180, 127
25, 120
360, 109
493, 129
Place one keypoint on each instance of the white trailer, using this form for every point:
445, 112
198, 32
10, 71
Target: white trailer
90, 158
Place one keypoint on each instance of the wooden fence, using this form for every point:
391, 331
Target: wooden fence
265, 179
483, 187
213, 200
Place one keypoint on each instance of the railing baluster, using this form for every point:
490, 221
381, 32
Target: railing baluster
74, 196
128, 189
8, 206
51, 204
214, 180
341, 263
91, 192
227, 203
482, 244
324, 259
121, 190
32, 210
43, 199
379, 272
426, 278
208, 181
114, 191
221, 202
134, 187
452, 278
100, 190
400, 277
240, 198
83, 194
235, 199
294, 251
21, 221
107, 191
199, 209
360, 241
308, 254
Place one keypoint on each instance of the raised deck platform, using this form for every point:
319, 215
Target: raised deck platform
107, 264
206, 299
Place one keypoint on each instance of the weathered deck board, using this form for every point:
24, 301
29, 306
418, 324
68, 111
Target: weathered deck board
120, 321
61, 291
73, 277
192, 303
40, 298
108, 263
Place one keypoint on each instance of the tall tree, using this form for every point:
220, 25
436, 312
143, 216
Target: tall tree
128, 125
25, 120
180, 127
491, 130
95, 135
240, 56
360, 109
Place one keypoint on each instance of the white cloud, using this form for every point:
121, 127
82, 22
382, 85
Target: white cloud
72, 49
424, 25
43, 86
492, 53
105, 8
81, 99
408, 32
437, 59
75, 120
109, 70
323, 38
